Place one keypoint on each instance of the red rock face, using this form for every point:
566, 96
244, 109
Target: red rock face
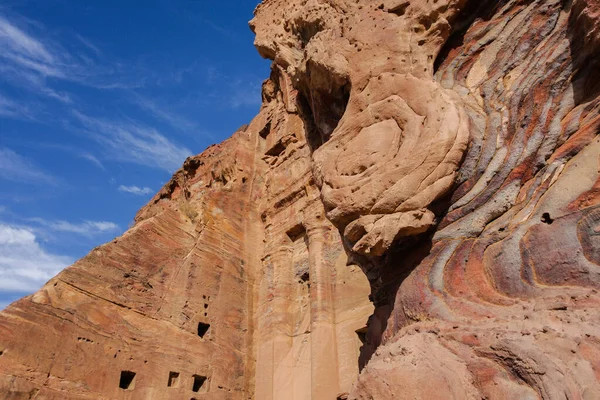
441, 156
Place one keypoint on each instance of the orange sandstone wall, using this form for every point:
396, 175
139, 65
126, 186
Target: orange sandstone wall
417, 200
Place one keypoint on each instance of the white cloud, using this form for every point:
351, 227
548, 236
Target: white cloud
14, 167
140, 191
24, 265
75, 151
9, 108
91, 158
22, 47
87, 228
29, 61
159, 112
88, 44
29, 58
130, 141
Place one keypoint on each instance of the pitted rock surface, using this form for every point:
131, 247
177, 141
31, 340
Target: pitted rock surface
413, 214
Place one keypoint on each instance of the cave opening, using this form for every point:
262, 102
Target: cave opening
173, 379
277, 149
547, 219
199, 383
264, 132
203, 329
321, 105
127, 381
362, 335
296, 232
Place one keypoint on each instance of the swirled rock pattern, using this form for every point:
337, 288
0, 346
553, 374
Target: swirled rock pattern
439, 159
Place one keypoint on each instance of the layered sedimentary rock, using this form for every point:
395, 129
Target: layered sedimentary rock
438, 159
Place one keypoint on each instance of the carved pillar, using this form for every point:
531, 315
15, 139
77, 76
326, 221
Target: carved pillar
283, 320
324, 363
274, 370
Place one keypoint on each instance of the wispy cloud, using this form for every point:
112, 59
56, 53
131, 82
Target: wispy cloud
175, 120
131, 141
91, 158
24, 265
245, 93
30, 59
88, 44
87, 228
75, 151
14, 167
9, 108
139, 191
27, 51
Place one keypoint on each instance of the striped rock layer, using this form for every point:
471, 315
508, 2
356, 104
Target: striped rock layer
413, 214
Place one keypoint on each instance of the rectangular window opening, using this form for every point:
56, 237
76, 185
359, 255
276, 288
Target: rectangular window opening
202, 329
127, 381
296, 232
199, 383
173, 379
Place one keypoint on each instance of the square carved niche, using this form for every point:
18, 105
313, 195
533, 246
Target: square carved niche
200, 384
203, 329
127, 381
173, 379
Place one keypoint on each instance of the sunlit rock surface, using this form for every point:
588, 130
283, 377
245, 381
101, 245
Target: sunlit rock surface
431, 167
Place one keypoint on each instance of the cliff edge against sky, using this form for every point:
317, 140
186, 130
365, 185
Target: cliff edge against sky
413, 214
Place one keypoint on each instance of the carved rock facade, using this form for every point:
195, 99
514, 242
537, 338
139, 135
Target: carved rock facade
435, 159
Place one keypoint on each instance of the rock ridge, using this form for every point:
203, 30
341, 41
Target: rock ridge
413, 214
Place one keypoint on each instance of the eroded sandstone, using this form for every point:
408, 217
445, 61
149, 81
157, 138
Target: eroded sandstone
438, 159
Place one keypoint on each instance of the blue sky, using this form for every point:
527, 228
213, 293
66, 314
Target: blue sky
100, 102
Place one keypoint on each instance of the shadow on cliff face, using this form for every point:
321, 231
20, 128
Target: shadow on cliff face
386, 275
584, 45
321, 111
484, 9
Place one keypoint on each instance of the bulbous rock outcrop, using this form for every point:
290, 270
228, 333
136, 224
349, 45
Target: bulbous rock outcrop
387, 138
459, 154
429, 166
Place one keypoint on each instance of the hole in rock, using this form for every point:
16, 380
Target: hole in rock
276, 150
264, 132
173, 379
127, 381
296, 232
202, 329
305, 277
362, 335
306, 30
343, 396
400, 9
199, 383
547, 219
322, 104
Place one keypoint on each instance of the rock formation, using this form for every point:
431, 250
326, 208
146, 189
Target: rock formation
431, 166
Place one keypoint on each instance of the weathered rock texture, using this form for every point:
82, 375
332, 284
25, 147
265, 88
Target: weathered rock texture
439, 158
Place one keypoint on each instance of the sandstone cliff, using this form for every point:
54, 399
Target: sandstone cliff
428, 166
